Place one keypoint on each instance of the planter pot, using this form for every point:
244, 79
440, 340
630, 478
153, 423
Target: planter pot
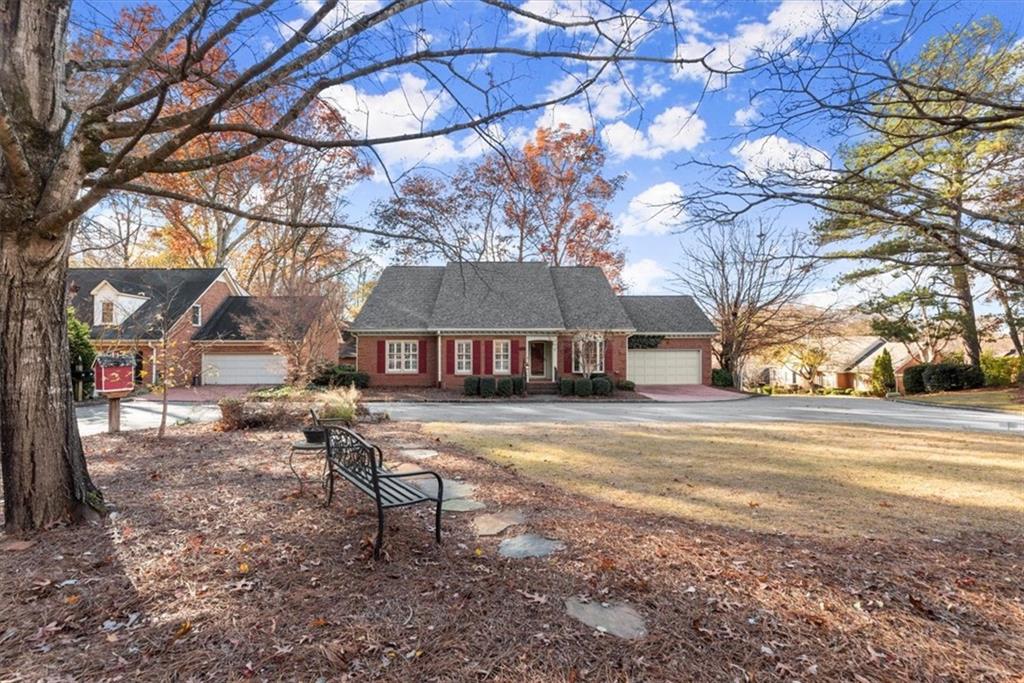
313, 434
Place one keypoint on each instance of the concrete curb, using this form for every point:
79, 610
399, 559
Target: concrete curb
552, 400
953, 406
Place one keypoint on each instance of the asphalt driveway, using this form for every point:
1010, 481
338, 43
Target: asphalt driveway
92, 418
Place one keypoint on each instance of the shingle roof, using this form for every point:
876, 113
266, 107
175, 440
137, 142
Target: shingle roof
497, 296
402, 299
677, 314
846, 352
587, 300
170, 292
255, 318
517, 296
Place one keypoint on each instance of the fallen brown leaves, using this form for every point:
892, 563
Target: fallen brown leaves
218, 569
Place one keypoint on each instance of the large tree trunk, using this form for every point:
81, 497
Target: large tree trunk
44, 474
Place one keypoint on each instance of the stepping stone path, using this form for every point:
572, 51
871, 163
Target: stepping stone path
619, 619
418, 453
494, 523
462, 505
458, 495
529, 545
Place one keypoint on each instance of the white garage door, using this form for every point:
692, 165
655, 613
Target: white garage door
243, 368
664, 366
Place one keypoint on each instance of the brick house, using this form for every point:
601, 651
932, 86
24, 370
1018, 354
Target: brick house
223, 335
434, 325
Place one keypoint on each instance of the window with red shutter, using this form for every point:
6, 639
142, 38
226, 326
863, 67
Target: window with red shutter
449, 357
488, 357
382, 356
422, 359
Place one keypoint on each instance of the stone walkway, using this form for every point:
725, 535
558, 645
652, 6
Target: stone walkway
619, 619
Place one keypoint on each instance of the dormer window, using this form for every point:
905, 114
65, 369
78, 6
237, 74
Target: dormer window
197, 315
107, 313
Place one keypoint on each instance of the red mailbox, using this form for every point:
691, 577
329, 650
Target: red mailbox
114, 374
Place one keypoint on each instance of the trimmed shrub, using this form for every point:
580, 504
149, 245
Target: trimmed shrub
504, 388
488, 386
471, 386
583, 387
565, 386
602, 386
339, 376
944, 377
359, 380
720, 377
519, 385
1000, 371
913, 379
972, 377
627, 385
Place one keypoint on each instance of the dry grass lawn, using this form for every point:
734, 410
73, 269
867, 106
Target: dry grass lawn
828, 481
1008, 400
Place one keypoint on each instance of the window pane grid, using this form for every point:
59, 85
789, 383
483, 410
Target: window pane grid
463, 357
403, 356
593, 350
502, 357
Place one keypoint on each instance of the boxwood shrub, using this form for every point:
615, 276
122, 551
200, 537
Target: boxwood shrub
913, 379
972, 377
504, 388
720, 377
471, 386
339, 376
627, 385
602, 386
944, 377
488, 386
565, 386
584, 387
519, 385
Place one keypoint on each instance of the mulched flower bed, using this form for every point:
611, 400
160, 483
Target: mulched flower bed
434, 394
215, 567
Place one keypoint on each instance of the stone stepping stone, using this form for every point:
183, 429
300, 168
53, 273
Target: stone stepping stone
529, 545
462, 505
619, 619
418, 453
427, 484
494, 523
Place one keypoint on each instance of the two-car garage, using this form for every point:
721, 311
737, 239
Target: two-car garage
664, 366
244, 368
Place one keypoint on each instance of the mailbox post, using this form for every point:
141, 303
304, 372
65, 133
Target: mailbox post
114, 379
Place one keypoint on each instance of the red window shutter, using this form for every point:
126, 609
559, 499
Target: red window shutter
567, 359
422, 359
476, 357
514, 346
608, 356
488, 357
382, 356
449, 353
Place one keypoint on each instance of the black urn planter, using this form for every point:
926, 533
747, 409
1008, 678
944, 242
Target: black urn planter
313, 434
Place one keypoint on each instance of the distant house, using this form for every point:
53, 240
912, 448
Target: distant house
234, 336
434, 325
848, 365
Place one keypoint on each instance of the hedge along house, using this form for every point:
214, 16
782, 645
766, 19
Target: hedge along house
230, 337
435, 325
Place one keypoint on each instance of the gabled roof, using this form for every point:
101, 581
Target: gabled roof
846, 353
169, 291
496, 296
674, 314
485, 296
257, 318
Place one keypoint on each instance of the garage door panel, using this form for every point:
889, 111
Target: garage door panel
244, 368
664, 366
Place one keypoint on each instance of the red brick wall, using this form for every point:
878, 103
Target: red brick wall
449, 380
366, 361
703, 344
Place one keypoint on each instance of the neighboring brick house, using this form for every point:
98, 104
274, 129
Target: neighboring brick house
849, 364
435, 325
223, 335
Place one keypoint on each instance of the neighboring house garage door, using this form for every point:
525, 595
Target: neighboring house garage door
243, 368
664, 366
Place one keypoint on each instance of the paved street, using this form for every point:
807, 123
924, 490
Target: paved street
92, 419
146, 414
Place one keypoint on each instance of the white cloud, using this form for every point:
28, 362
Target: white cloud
673, 130
411, 107
641, 277
745, 115
774, 154
652, 212
574, 116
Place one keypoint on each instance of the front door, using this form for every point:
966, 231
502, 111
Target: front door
537, 368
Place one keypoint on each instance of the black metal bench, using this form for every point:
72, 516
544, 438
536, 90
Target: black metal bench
361, 463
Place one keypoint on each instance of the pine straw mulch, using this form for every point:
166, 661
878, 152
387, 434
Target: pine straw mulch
215, 567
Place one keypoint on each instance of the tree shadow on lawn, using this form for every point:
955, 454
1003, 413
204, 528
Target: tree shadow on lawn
273, 585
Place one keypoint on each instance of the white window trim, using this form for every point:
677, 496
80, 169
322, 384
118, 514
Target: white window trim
191, 311
469, 370
600, 358
494, 356
387, 357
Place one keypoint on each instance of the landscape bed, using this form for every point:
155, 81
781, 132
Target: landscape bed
215, 566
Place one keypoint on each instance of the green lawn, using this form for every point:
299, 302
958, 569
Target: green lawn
992, 399
818, 480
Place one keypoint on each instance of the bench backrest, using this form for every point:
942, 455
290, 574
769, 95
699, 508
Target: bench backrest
351, 452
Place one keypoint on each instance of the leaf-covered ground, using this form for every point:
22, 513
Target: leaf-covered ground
215, 567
